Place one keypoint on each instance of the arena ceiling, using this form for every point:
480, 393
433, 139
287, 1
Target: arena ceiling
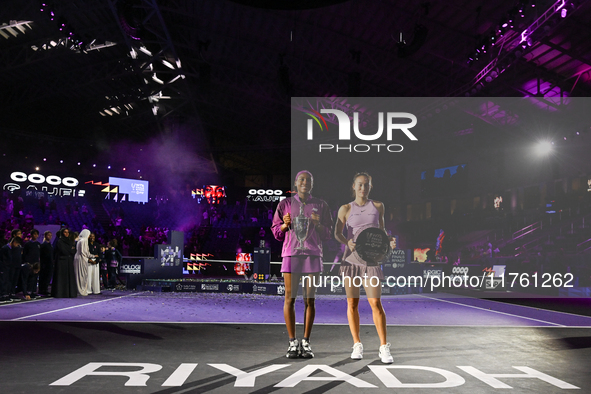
138, 69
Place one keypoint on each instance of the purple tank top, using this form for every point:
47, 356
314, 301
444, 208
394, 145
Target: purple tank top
360, 217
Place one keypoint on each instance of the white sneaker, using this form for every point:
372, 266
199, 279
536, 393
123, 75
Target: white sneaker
305, 349
385, 355
293, 351
357, 353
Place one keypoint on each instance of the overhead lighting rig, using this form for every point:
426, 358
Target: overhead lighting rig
510, 44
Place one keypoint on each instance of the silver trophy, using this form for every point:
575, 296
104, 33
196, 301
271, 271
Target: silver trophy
301, 227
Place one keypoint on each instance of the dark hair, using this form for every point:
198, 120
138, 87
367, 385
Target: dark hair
45, 233
17, 240
15, 231
34, 231
113, 243
36, 267
362, 173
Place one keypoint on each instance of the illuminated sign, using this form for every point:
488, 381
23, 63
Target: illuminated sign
243, 256
420, 254
213, 194
136, 190
37, 180
135, 268
498, 202
265, 195
196, 262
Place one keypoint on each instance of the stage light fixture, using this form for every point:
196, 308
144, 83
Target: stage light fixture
543, 148
156, 79
168, 64
145, 50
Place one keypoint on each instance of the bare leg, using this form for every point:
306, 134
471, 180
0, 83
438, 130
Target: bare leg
289, 303
374, 294
353, 310
310, 306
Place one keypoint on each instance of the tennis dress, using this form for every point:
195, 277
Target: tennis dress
360, 217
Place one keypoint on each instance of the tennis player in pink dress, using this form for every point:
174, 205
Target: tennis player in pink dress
356, 216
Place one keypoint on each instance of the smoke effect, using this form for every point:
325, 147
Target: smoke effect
174, 163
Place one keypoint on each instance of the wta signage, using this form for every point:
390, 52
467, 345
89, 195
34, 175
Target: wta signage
136, 190
343, 120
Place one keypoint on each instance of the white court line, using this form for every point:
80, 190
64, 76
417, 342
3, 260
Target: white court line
299, 324
490, 310
533, 307
72, 307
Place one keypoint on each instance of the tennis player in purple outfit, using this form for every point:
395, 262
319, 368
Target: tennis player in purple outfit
301, 263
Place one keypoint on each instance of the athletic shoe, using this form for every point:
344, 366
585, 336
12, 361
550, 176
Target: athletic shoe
305, 349
5, 300
385, 355
293, 351
357, 353
35, 296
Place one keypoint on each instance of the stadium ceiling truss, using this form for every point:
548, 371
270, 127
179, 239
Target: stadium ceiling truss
129, 66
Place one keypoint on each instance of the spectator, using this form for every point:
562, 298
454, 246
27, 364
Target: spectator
113, 259
94, 285
64, 277
29, 275
46, 260
81, 263
10, 263
31, 256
